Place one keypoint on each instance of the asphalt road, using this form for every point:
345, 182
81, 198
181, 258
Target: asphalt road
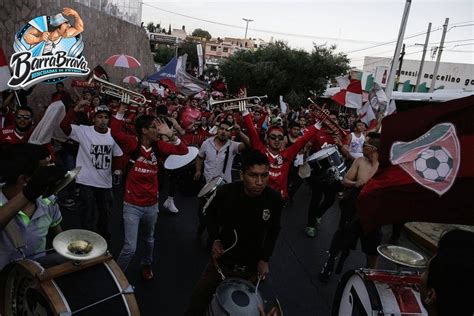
180, 258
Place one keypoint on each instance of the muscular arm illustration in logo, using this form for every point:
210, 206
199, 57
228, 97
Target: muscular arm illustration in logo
63, 29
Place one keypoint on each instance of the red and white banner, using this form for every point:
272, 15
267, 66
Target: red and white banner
350, 97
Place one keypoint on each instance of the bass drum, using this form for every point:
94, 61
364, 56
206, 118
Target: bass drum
181, 169
53, 285
375, 292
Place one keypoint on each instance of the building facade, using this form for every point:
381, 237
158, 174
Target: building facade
450, 75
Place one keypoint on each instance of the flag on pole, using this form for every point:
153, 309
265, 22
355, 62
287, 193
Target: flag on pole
350, 97
185, 83
4, 72
366, 114
426, 168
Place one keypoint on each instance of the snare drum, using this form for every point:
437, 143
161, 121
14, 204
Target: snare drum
328, 160
238, 297
210, 187
54, 285
375, 292
183, 169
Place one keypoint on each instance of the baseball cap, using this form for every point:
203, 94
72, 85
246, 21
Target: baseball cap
101, 109
57, 20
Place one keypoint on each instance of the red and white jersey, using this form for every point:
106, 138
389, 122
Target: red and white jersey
10, 136
141, 186
280, 163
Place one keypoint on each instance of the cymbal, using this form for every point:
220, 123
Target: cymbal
79, 244
402, 256
61, 184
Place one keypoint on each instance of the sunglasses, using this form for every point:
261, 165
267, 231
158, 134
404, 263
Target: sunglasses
25, 117
275, 137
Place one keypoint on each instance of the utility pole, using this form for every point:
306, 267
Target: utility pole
398, 48
425, 48
438, 59
400, 60
246, 25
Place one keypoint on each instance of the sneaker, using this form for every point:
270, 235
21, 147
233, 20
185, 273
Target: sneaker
327, 269
147, 273
169, 204
310, 231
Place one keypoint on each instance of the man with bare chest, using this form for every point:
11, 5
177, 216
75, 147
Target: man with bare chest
345, 238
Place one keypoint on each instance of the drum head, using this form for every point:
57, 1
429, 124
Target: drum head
325, 152
211, 185
353, 297
79, 244
237, 297
178, 161
402, 256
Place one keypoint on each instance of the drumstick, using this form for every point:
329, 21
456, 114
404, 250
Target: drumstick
233, 245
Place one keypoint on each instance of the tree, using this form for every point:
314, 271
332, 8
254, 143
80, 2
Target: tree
201, 34
163, 54
150, 27
279, 70
169, 29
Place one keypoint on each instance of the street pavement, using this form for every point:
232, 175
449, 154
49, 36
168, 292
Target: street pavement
180, 258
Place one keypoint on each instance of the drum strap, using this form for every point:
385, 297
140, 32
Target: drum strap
14, 235
226, 159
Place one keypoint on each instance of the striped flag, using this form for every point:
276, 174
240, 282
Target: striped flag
350, 97
4, 72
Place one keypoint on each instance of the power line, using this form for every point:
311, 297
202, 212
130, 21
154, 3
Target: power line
459, 24
262, 30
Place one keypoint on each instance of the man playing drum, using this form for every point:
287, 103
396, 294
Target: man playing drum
217, 154
244, 223
25, 218
361, 171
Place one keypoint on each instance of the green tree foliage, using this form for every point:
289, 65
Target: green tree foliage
202, 34
163, 54
190, 49
279, 70
150, 27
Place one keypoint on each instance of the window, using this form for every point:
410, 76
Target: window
226, 49
213, 48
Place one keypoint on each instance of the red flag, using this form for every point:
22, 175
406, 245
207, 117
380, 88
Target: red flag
434, 179
350, 97
4, 72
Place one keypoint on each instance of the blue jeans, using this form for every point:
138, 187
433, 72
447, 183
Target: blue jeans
132, 215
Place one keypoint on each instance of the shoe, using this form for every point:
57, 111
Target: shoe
169, 204
147, 273
327, 269
310, 231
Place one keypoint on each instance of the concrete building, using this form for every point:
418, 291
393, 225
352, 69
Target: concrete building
450, 75
216, 49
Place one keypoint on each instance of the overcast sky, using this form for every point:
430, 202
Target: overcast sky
350, 24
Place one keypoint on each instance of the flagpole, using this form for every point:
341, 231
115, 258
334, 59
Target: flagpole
398, 48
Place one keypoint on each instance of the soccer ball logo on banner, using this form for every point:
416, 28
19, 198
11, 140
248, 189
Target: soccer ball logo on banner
434, 164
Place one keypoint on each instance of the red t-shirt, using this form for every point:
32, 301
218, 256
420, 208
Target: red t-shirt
280, 163
141, 185
10, 136
321, 137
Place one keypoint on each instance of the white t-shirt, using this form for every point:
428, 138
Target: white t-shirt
94, 156
355, 147
214, 159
